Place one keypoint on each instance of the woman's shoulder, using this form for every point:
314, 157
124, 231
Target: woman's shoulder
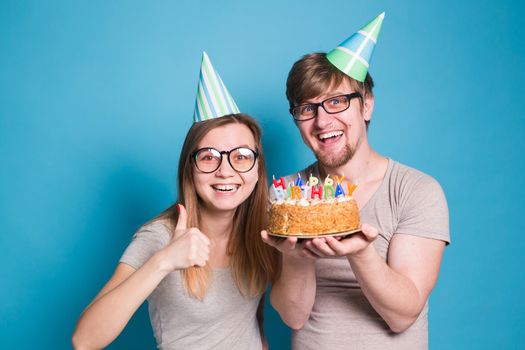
159, 229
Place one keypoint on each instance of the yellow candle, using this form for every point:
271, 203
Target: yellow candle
328, 181
313, 180
351, 188
296, 192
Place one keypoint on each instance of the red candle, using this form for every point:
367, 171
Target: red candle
317, 192
279, 183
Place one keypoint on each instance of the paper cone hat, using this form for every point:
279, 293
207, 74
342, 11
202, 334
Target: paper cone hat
213, 99
353, 55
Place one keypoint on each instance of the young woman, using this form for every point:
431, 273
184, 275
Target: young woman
200, 264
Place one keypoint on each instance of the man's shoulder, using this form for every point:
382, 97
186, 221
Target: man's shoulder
401, 173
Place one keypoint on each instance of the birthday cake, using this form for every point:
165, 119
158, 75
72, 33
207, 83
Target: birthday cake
314, 209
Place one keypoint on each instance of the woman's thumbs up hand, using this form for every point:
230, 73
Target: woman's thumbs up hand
188, 246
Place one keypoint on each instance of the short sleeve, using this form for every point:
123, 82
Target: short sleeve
148, 240
425, 210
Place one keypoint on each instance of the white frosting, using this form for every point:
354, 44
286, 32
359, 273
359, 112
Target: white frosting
303, 203
306, 202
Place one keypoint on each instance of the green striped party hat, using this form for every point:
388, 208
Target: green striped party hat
213, 99
353, 55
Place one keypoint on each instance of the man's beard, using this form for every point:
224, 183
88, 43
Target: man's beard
334, 160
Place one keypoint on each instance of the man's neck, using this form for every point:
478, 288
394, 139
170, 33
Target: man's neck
366, 165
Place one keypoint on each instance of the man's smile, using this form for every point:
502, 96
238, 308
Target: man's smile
330, 137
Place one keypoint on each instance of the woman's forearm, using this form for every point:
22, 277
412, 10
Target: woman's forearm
105, 318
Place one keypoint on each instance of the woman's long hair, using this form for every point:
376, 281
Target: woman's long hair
254, 263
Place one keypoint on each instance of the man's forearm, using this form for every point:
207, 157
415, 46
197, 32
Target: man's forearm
394, 296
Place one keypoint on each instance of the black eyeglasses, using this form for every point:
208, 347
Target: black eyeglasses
331, 105
208, 160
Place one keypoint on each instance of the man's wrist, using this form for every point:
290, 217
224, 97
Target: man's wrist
364, 256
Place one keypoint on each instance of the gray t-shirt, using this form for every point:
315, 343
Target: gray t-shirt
224, 320
407, 202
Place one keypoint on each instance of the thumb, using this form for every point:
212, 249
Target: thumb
182, 222
266, 238
369, 231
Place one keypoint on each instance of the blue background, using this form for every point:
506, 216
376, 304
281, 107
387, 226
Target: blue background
96, 98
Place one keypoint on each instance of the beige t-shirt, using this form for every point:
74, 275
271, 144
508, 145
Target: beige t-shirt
224, 320
407, 202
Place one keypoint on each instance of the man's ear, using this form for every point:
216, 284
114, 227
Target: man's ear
368, 107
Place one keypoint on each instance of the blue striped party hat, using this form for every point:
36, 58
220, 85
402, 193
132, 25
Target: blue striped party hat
213, 99
353, 55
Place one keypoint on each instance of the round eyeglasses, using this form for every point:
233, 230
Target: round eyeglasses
331, 105
208, 160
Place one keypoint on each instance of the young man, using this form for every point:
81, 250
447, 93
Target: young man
368, 290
